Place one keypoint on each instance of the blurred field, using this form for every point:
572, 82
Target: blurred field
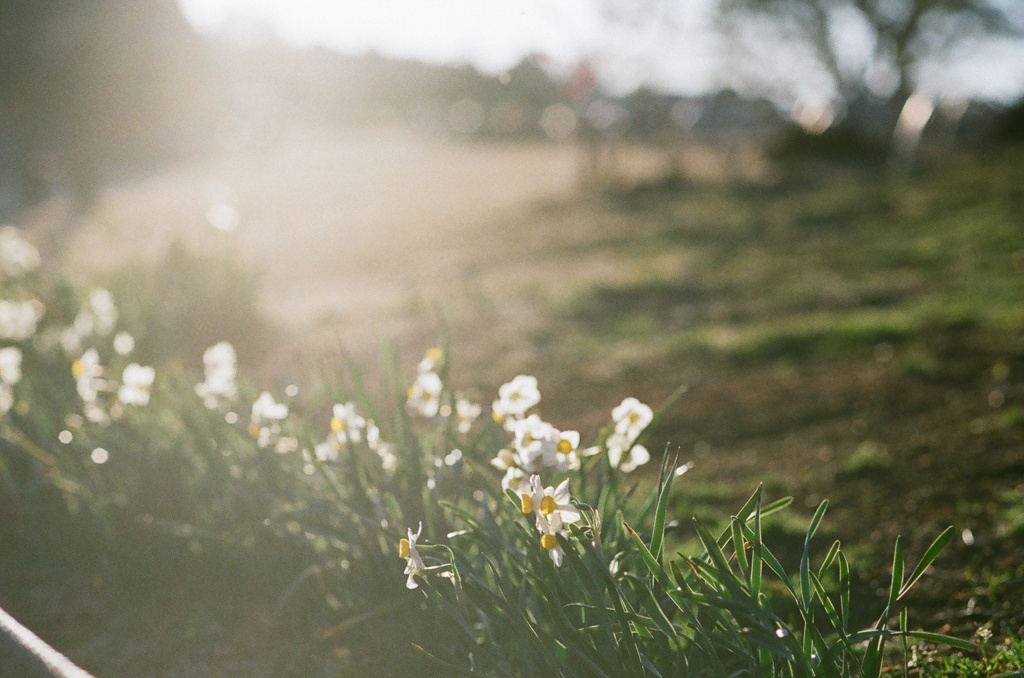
845, 333
337, 222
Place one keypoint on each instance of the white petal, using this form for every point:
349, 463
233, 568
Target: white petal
561, 493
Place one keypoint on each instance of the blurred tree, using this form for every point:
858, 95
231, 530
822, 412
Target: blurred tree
898, 36
95, 87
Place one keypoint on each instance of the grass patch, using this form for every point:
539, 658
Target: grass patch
869, 459
813, 271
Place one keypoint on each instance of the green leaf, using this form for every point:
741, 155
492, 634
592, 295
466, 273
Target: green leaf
776, 506
739, 546
943, 639
756, 560
830, 610
747, 511
844, 589
927, 559
772, 562
664, 485
872, 665
645, 554
805, 559
726, 575
830, 558
897, 575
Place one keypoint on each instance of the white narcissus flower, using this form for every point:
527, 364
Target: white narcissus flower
504, 460
425, 394
545, 501
372, 435
104, 312
626, 457
553, 509
220, 368
413, 563
385, 451
631, 417
515, 398
346, 424
388, 458
10, 365
515, 479
17, 255
18, 319
70, 341
465, 414
136, 384
326, 451
431, 360
87, 372
536, 443
566, 457
124, 343
266, 409
550, 528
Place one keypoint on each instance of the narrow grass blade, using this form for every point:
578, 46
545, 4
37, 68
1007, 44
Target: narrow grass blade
776, 506
943, 639
872, 665
756, 560
773, 563
896, 584
645, 553
830, 609
746, 512
844, 589
927, 559
726, 574
830, 558
664, 485
806, 595
739, 545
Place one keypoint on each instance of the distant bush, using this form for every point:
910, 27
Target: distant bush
841, 143
1011, 123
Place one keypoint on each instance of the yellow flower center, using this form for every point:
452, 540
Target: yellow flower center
77, 369
435, 354
498, 418
548, 505
564, 446
526, 503
337, 425
403, 548
549, 541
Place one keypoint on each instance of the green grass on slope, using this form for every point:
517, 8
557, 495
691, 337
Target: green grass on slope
796, 271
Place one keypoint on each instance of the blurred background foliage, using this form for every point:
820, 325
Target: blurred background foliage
94, 90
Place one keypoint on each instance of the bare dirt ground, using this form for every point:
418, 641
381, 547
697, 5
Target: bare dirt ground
338, 222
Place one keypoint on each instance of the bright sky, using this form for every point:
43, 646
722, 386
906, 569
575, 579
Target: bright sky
493, 34
496, 34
